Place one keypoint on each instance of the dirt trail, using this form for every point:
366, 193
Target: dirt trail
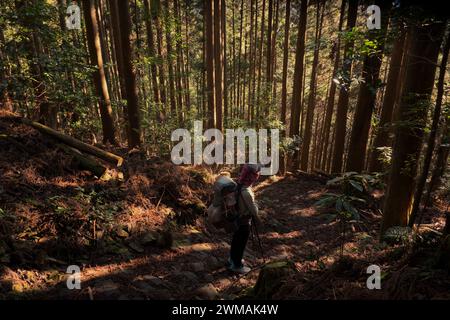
53, 215
195, 266
48, 202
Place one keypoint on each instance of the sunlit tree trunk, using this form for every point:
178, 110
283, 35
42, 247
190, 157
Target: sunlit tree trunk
324, 144
151, 51
101, 86
387, 109
367, 96
209, 57
285, 62
305, 152
420, 71
342, 106
298, 75
134, 138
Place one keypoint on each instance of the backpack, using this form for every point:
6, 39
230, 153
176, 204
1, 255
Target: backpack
224, 210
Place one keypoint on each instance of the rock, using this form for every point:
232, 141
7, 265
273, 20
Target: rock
144, 286
182, 276
161, 294
271, 278
136, 247
153, 280
148, 238
208, 278
106, 288
208, 292
212, 262
197, 266
165, 239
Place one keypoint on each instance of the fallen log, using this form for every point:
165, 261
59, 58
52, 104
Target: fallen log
75, 143
83, 161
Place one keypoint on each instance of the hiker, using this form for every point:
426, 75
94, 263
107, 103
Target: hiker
247, 210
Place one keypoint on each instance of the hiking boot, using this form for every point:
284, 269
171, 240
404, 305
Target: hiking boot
230, 263
242, 269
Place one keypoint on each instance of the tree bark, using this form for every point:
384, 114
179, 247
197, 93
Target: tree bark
151, 51
285, 62
5, 99
209, 57
306, 143
390, 97
101, 86
420, 71
170, 63
342, 106
218, 63
298, 75
99, 153
325, 136
367, 96
223, 25
131, 95
433, 134
269, 42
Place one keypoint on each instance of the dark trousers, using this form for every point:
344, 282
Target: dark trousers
240, 238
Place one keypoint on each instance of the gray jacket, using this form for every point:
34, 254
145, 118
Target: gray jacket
247, 205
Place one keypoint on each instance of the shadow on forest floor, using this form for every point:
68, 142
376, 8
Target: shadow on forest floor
54, 215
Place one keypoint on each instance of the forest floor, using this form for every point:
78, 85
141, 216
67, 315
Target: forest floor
119, 232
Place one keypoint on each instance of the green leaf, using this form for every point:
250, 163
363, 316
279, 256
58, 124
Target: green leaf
334, 180
339, 205
325, 201
357, 185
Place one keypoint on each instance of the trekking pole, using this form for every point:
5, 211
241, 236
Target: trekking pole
258, 238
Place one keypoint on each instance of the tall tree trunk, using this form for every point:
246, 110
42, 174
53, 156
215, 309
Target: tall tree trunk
131, 95
325, 136
100, 83
273, 61
218, 83
285, 62
119, 59
438, 172
179, 64
156, 15
5, 99
254, 60
260, 50
209, 57
304, 158
173, 102
342, 106
151, 51
251, 62
233, 54
223, 25
298, 75
239, 74
367, 96
187, 70
433, 133
269, 42
420, 71
390, 97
